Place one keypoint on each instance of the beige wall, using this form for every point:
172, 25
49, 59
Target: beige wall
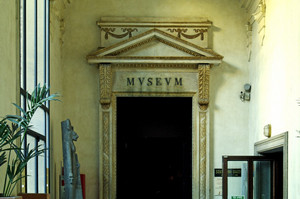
57, 108
228, 115
274, 75
9, 64
8, 59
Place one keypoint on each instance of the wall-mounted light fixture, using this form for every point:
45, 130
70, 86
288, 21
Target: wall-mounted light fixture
267, 130
245, 95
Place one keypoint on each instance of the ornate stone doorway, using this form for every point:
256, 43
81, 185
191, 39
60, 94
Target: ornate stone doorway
153, 58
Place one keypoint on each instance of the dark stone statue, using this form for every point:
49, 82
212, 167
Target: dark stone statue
72, 180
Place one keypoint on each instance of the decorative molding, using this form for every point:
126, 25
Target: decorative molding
128, 48
159, 34
203, 84
186, 50
153, 22
202, 123
154, 60
154, 38
182, 31
200, 33
199, 55
178, 30
256, 10
249, 40
259, 16
127, 32
246, 4
105, 85
106, 154
153, 66
199, 132
116, 29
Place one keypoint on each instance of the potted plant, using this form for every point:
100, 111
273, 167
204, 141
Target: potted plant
13, 129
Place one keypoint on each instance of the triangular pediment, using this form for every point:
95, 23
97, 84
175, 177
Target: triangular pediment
154, 46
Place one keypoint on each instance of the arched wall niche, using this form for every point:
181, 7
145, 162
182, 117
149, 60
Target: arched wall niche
153, 58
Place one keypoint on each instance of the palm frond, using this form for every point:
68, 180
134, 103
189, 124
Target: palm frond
2, 159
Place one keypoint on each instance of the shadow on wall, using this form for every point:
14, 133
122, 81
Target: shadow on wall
217, 80
213, 29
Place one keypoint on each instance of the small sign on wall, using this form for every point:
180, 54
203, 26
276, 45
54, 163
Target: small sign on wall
237, 197
231, 172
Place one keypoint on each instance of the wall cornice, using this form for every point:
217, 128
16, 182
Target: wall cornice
256, 12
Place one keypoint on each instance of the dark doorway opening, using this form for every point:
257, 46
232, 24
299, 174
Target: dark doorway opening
154, 148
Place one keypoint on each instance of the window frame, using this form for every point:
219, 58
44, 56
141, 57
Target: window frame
41, 49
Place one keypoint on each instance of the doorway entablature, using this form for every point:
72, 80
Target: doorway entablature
148, 58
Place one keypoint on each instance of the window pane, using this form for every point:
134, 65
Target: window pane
47, 138
262, 179
47, 43
21, 42
23, 102
22, 39
238, 186
31, 167
38, 122
42, 169
47, 153
41, 42
31, 44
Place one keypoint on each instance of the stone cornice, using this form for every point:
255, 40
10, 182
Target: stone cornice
158, 60
152, 22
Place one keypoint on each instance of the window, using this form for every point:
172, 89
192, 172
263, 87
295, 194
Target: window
34, 69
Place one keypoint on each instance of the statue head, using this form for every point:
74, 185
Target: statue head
74, 135
67, 127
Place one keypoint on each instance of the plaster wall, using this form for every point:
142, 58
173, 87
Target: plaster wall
56, 83
9, 65
274, 75
228, 115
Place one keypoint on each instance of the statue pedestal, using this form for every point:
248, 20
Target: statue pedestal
34, 196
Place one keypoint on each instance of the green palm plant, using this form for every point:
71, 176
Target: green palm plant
13, 129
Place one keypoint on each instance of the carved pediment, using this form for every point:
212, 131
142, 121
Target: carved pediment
154, 46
